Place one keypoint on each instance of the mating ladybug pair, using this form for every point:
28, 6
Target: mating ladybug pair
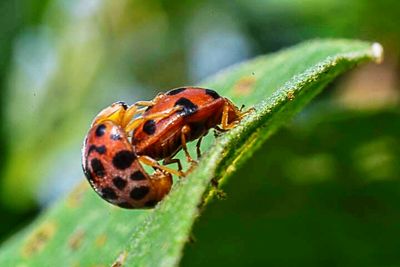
122, 138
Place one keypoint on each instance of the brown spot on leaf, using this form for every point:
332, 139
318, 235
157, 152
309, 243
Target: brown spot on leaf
75, 197
100, 240
75, 241
38, 239
244, 86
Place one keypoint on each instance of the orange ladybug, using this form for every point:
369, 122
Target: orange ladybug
122, 138
113, 168
189, 113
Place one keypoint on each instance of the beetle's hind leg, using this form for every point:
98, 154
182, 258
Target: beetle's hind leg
153, 163
185, 132
170, 160
198, 144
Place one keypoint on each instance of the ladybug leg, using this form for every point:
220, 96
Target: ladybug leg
229, 107
171, 161
130, 113
144, 103
119, 113
244, 113
153, 163
225, 117
149, 103
218, 131
159, 115
198, 144
184, 132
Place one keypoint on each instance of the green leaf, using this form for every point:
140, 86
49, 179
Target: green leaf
85, 230
333, 199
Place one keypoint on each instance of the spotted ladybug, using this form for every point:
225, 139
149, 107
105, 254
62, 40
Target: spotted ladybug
122, 138
113, 168
194, 112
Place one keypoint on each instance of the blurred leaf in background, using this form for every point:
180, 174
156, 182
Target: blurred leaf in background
14, 17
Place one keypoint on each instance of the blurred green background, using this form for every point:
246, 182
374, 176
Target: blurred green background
337, 202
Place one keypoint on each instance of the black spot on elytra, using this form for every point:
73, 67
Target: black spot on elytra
119, 182
188, 106
98, 149
100, 130
115, 137
87, 173
101, 149
139, 193
123, 159
137, 176
108, 193
151, 203
125, 205
97, 167
149, 127
212, 93
175, 91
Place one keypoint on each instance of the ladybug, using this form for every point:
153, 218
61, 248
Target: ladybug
114, 169
179, 116
122, 138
